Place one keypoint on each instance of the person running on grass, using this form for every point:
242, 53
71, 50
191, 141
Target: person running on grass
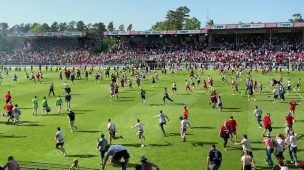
117, 152
35, 105
71, 117
60, 141
51, 89
166, 96
16, 114
224, 133
68, 99
112, 131
143, 95
184, 126
174, 89
292, 108
232, 128
162, 120
140, 132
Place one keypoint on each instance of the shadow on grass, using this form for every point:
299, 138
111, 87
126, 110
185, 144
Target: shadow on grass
12, 136
44, 166
278, 127
231, 110
178, 134
184, 94
130, 165
196, 143
83, 110
128, 100
32, 124
88, 131
147, 145
155, 104
82, 156
179, 104
26, 108
202, 127
126, 97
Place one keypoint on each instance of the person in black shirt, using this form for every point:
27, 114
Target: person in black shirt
71, 117
68, 98
214, 158
51, 90
166, 96
143, 95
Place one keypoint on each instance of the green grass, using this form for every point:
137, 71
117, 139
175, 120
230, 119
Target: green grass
33, 140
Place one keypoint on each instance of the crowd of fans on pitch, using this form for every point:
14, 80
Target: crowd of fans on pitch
132, 50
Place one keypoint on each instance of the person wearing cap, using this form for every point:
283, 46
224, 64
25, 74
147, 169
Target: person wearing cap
269, 146
224, 133
289, 122
75, 165
102, 146
71, 117
214, 158
146, 165
117, 152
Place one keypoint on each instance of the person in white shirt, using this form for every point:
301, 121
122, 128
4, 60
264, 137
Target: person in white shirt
292, 141
16, 113
162, 121
258, 115
112, 131
60, 141
140, 132
117, 152
289, 85
174, 88
247, 161
280, 147
283, 166
184, 127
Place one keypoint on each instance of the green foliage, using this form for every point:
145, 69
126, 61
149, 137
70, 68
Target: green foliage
54, 27
130, 27
296, 18
210, 22
192, 24
71, 26
121, 27
80, 26
111, 26
177, 19
98, 28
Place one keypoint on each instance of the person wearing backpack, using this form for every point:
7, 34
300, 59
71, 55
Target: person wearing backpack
214, 158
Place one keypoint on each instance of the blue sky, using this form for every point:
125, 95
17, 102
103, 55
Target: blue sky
144, 13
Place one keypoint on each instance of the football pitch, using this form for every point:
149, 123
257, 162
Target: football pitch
32, 143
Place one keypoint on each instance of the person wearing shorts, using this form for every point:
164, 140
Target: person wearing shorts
102, 147
117, 152
184, 127
60, 141
140, 132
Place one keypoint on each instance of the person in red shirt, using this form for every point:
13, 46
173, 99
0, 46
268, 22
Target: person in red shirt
9, 110
8, 97
224, 133
232, 128
267, 124
289, 122
185, 113
205, 85
292, 107
213, 98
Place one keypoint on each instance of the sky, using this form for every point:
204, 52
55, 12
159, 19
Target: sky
144, 13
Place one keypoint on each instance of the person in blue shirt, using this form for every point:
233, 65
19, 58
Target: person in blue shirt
214, 158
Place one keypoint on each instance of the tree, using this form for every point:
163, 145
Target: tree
98, 28
178, 17
71, 26
3, 27
62, 26
192, 24
36, 28
210, 22
121, 27
162, 25
80, 26
111, 26
129, 28
296, 18
45, 27
54, 27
